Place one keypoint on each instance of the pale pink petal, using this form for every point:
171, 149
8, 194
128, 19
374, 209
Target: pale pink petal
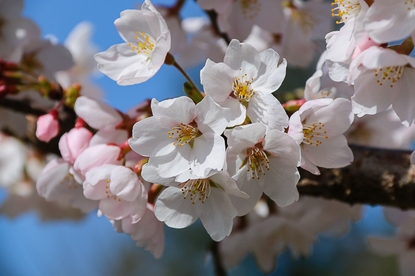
174, 210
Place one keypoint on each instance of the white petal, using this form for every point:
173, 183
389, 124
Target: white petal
268, 110
97, 114
172, 112
331, 153
281, 182
242, 55
385, 246
151, 138
211, 116
251, 187
217, 215
229, 185
174, 210
271, 73
208, 153
217, 79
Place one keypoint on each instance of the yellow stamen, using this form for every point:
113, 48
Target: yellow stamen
145, 44
314, 134
183, 134
196, 189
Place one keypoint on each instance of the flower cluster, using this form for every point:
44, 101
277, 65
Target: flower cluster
228, 153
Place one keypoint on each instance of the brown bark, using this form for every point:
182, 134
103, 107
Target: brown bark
376, 177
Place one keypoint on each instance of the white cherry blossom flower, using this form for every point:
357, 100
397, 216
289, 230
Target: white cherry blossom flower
56, 183
238, 18
318, 128
320, 85
120, 192
96, 113
403, 245
38, 56
95, 156
148, 232
383, 77
262, 162
388, 21
83, 50
382, 130
14, 29
182, 136
208, 198
147, 42
244, 82
12, 160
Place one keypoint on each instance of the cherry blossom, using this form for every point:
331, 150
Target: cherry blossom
56, 183
14, 29
120, 192
209, 199
388, 73
47, 126
402, 245
83, 50
182, 136
390, 20
244, 83
148, 232
262, 161
95, 156
239, 17
318, 128
147, 41
12, 160
38, 56
107, 120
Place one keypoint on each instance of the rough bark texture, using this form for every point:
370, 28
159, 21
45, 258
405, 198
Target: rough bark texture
376, 177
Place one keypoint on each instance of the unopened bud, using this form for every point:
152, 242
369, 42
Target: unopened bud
72, 93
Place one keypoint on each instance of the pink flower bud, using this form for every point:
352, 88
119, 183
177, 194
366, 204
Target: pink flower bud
47, 127
363, 46
73, 143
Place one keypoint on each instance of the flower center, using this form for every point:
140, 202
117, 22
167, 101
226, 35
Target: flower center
345, 9
196, 189
250, 8
144, 45
361, 133
410, 4
304, 19
258, 161
70, 182
314, 134
30, 63
390, 74
108, 192
242, 88
183, 134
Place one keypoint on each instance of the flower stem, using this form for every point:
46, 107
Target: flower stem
217, 262
194, 93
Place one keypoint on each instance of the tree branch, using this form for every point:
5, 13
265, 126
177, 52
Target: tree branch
25, 107
376, 177
217, 260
